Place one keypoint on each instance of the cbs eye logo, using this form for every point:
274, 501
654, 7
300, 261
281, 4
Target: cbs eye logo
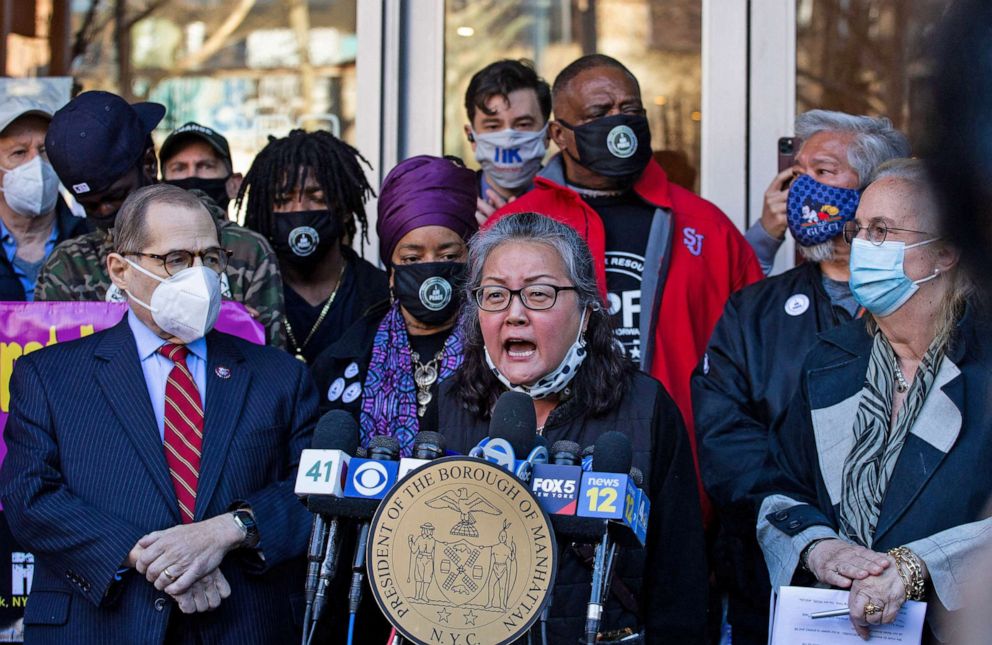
371, 478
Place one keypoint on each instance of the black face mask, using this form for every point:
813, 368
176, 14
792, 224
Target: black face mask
303, 238
614, 146
216, 189
430, 291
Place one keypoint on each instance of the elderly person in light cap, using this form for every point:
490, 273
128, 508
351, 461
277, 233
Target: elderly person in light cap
386, 369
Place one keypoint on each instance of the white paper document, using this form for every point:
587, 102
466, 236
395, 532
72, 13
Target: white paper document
790, 622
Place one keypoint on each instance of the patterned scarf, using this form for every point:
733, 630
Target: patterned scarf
389, 396
869, 466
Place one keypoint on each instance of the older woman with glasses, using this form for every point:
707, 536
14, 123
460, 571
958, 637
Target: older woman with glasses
878, 476
535, 322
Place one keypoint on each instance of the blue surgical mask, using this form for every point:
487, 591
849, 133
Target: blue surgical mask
817, 212
878, 280
510, 158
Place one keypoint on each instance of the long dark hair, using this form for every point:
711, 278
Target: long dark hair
284, 164
605, 375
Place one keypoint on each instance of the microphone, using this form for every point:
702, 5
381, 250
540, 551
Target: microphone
612, 456
512, 432
427, 446
335, 439
556, 485
384, 451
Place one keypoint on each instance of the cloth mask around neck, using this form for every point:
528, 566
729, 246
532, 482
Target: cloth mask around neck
557, 379
616, 146
430, 291
215, 188
817, 212
303, 238
878, 281
185, 305
510, 158
31, 189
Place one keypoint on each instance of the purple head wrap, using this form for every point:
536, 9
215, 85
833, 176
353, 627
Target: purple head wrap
425, 191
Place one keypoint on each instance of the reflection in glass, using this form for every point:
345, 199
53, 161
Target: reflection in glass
659, 40
866, 57
248, 68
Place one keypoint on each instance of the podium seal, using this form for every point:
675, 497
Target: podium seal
460, 552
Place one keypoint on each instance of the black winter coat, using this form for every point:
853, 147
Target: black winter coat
740, 391
668, 578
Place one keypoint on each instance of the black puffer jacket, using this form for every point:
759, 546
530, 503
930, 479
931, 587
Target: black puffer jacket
668, 578
739, 392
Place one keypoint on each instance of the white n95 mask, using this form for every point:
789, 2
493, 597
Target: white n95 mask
185, 305
32, 188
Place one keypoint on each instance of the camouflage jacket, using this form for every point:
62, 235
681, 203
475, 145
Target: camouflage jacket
77, 270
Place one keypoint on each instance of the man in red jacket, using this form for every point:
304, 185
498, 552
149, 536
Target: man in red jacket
667, 260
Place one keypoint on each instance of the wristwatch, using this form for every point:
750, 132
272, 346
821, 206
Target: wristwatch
246, 522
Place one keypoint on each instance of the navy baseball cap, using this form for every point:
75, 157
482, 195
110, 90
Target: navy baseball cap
186, 132
98, 137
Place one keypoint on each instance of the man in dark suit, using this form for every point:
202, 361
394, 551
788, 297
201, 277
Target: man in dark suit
150, 467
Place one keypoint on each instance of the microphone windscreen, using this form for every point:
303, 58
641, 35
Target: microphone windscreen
430, 441
612, 454
384, 447
361, 452
565, 452
637, 475
336, 430
515, 421
588, 451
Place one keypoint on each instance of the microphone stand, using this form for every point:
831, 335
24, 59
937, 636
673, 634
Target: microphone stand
594, 614
315, 554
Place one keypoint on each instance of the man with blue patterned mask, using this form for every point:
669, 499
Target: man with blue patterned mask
508, 107
742, 387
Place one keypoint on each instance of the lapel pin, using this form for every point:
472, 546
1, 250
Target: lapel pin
222, 372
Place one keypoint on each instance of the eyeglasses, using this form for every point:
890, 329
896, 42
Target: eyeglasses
876, 231
536, 297
175, 261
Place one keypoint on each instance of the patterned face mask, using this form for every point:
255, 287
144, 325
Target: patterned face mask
817, 212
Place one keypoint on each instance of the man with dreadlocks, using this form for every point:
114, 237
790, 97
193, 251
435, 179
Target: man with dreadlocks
304, 193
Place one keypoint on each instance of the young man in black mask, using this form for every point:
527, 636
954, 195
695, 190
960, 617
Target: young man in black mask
304, 193
102, 150
667, 260
196, 157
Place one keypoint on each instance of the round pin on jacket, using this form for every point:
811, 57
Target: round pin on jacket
797, 304
222, 372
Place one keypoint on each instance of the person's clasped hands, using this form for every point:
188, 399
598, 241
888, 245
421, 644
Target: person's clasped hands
184, 561
879, 583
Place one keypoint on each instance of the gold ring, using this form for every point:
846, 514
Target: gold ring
168, 575
871, 609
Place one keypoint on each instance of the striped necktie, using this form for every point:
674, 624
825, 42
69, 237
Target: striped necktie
183, 429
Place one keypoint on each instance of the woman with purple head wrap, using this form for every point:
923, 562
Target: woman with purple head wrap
387, 367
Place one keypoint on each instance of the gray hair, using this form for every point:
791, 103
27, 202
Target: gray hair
130, 232
536, 229
913, 174
875, 141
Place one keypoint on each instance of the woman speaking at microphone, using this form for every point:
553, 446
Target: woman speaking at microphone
387, 367
535, 322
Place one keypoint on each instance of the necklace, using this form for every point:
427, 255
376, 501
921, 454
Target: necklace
425, 375
298, 348
901, 384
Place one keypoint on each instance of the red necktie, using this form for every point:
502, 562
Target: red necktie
183, 429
